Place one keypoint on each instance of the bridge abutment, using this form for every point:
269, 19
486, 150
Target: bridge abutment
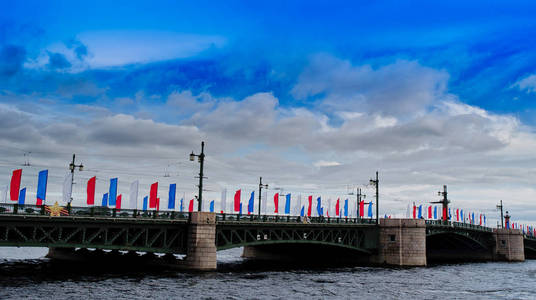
201, 252
402, 242
509, 245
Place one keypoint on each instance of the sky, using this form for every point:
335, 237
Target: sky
313, 96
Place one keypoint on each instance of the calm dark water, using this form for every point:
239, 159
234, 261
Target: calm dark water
24, 274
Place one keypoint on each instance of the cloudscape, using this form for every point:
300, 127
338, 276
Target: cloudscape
315, 97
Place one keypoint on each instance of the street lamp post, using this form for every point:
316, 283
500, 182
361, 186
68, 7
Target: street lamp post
72, 167
201, 159
445, 202
500, 206
260, 190
377, 183
358, 198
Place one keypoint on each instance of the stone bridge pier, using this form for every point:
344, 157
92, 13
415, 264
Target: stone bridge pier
401, 242
201, 251
509, 245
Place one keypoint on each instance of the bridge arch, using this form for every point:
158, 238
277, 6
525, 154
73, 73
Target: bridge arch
299, 241
457, 246
293, 242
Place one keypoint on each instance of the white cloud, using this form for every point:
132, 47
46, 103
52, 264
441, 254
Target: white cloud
527, 84
121, 47
323, 163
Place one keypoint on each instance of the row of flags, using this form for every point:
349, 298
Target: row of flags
459, 215
293, 206
290, 205
109, 199
527, 229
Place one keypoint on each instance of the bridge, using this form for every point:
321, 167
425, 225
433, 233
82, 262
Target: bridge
199, 235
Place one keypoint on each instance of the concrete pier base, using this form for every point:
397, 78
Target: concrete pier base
64, 254
402, 242
509, 245
201, 253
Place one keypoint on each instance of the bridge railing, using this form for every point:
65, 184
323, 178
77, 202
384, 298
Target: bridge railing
101, 211
458, 225
94, 211
530, 237
292, 219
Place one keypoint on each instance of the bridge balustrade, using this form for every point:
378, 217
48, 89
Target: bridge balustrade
290, 219
457, 225
101, 211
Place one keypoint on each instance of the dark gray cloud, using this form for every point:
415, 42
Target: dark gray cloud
400, 88
57, 61
11, 60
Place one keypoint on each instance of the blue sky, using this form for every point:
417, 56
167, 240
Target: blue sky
320, 86
485, 47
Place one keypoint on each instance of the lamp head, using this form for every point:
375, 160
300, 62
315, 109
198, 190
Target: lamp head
192, 156
81, 168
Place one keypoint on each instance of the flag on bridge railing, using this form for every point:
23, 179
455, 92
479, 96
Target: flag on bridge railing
484, 220
337, 207
118, 202
112, 193
145, 202
457, 215
153, 194
276, 203
22, 196
310, 207
430, 212
133, 195
480, 220
237, 200
362, 208
223, 200
420, 212
319, 206
67, 187
287, 204
298, 205
450, 216
42, 187
211, 208
4, 194
104, 200
251, 202
171, 197
240, 211
472, 218
157, 203
302, 212
370, 209
191, 206
414, 211
90, 191
15, 184
264, 201
346, 208
435, 212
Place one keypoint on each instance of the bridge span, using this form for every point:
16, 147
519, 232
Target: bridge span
199, 235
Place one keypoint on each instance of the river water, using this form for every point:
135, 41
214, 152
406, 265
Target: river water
25, 274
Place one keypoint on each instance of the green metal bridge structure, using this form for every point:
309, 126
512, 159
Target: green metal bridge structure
199, 235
